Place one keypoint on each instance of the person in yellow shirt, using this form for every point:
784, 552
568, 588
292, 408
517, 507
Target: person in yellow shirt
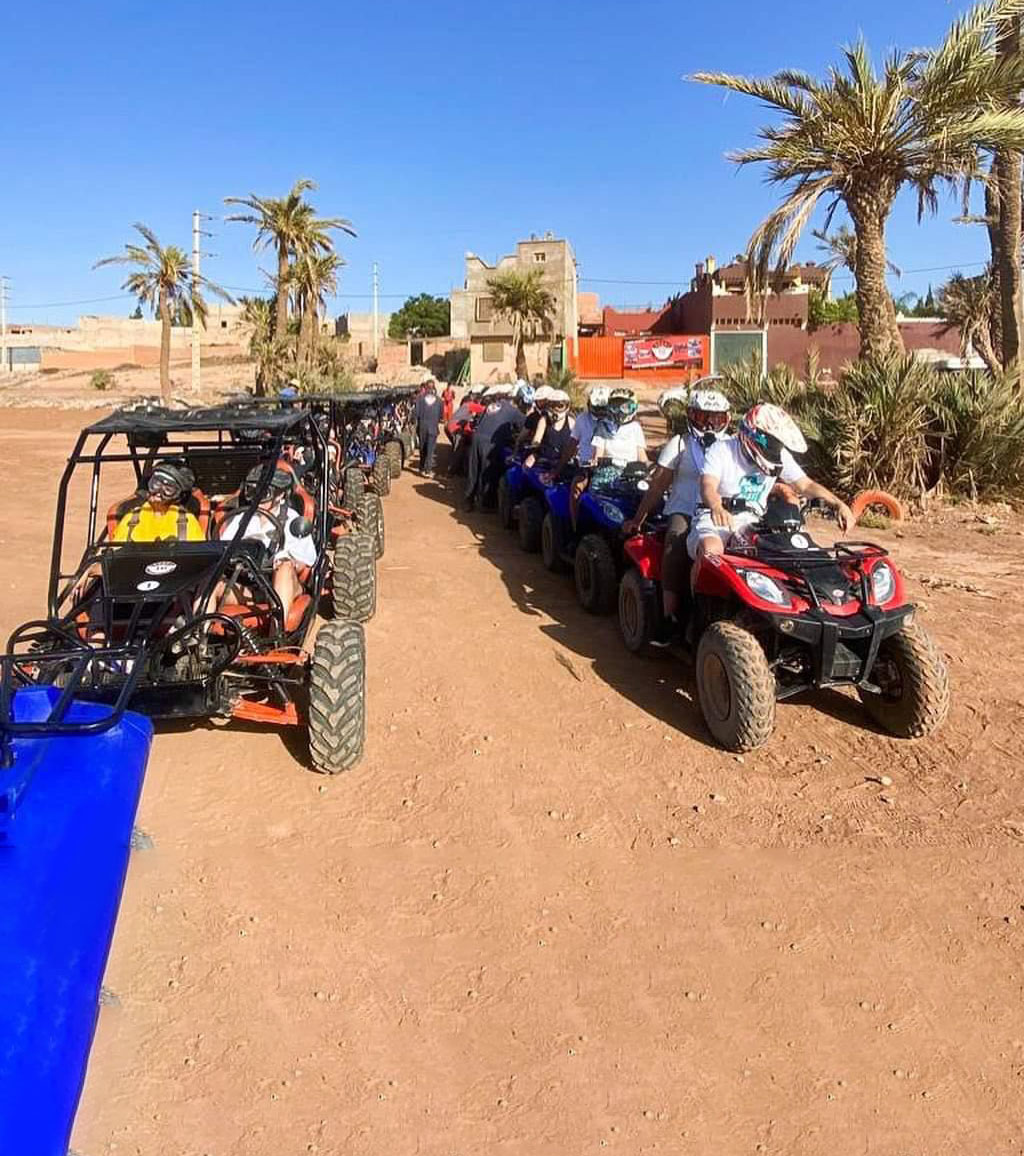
162, 515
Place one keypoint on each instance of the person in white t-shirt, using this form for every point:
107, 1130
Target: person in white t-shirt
618, 435
740, 472
294, 552
697, 419
580, 446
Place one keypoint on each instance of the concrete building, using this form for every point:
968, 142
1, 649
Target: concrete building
492, 353
358, 328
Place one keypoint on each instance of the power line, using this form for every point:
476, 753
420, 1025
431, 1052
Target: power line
83, 301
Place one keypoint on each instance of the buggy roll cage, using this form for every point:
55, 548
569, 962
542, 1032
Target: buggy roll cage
342, 409
154, 433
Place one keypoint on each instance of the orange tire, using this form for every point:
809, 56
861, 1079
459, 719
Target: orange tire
868, 498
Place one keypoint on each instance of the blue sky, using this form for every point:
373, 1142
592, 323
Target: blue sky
435, 127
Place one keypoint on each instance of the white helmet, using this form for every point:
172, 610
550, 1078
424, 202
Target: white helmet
597, 398
543, 394
764, 432
559, 399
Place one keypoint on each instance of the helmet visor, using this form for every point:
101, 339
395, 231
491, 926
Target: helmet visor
707, 421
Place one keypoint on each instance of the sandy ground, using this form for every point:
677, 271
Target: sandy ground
544, 915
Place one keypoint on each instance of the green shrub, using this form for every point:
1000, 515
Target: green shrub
898, 424
101, 379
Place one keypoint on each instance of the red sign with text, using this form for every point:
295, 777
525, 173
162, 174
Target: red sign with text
666, 353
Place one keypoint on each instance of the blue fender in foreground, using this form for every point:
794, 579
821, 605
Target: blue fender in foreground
63, 857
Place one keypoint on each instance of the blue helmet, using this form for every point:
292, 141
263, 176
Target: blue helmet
524, 395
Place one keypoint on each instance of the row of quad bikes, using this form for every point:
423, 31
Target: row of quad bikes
777, 616
145, 626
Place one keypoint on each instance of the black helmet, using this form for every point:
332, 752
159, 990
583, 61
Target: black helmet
170, 480
281, 481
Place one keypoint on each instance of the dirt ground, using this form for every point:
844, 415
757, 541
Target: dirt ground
545, 915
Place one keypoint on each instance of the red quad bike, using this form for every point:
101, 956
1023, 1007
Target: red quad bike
779, 615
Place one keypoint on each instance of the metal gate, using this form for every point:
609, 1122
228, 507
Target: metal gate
734, 346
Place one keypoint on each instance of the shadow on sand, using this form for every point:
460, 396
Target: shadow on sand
662, 684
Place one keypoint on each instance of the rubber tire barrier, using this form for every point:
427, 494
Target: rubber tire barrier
62, 868
750, 718
354, 587
531, 517
923, 703
551, 544
380, 477
597, 585
867, 498
370, 519
337, 697
635, 619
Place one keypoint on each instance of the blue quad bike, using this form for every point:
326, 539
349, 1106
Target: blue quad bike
522, 498
594, 553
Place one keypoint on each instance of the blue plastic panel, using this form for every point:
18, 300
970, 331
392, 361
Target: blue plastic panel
63, 858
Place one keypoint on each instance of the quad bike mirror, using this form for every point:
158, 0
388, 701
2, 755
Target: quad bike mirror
301, 527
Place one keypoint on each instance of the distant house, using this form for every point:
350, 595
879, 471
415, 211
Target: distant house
492, 354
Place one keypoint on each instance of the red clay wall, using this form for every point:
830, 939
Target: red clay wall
836, 345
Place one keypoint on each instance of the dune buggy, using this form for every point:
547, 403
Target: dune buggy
372, 429
778, 615
196, 629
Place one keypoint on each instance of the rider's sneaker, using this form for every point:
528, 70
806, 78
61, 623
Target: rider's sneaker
668, 633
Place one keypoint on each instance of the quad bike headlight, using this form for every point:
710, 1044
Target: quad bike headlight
765, 587
613, 513
883, 582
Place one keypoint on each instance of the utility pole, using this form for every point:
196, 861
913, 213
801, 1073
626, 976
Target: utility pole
196, 363
3, 322
376, 311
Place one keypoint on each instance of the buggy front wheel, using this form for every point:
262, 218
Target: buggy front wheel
370, 519
354, 583
393, 453
735, 686
337, 697
354, 487
910, 673
380, 477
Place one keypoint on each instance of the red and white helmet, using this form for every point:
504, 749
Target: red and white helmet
765, 431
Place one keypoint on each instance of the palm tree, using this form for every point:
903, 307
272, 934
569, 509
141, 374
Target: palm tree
269, 354
291, 226
858, 138
522, 300
313, 277
1006, 166
164, 281
967, 303
841, 247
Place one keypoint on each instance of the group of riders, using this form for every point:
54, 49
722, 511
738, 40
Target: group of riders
163, 513
714, 482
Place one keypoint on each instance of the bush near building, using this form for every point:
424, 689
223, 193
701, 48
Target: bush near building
900, 425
